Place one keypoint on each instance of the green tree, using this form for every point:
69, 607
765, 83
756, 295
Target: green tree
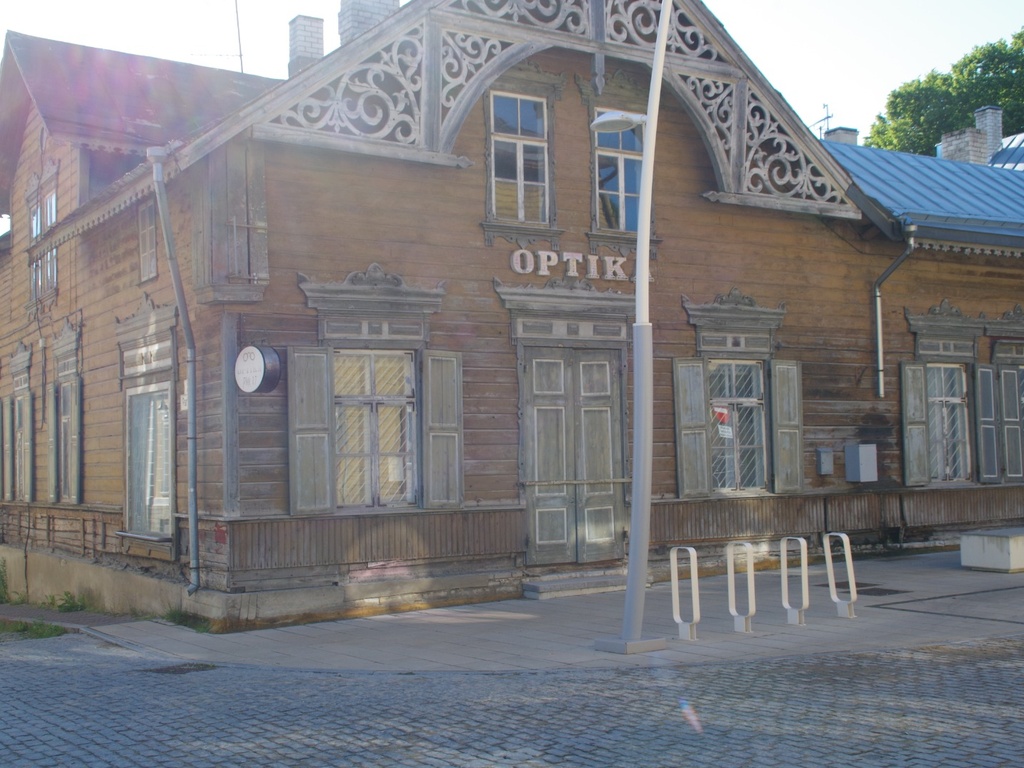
918, 113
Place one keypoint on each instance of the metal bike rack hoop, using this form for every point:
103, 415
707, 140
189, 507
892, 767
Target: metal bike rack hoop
741, 622
794, 615
694, 593
844, 607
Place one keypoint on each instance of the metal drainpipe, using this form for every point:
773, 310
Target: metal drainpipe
156, 157
909, 230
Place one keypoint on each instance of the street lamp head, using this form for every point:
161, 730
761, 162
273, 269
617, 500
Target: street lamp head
617, 122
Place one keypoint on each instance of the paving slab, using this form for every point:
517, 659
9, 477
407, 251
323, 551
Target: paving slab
907, 601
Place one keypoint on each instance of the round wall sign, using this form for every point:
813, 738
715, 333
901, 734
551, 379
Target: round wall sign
257, 369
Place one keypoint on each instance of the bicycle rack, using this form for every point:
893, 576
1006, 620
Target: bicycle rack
694, 593
794, 615
741, 623
844, 607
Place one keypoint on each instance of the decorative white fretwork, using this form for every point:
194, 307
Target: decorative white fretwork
378, 99
717, 99
635, 22
572, 16
776, 165
462, 57
456, 49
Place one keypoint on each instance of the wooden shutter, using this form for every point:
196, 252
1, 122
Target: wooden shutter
310, 450
73, 389
916, 466
8, 426
692, 466
442, 429
787, 427
28, 445
1012, 437
52, 442
986, 421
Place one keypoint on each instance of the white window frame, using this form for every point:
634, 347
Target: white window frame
942, 445
626, 161
42, 216
159, 503
724, 426
520, 142
377, 461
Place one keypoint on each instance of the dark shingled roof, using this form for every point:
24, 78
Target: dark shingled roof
124, 101
956, 202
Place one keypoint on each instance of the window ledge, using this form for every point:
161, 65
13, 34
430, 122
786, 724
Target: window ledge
622, 242
151, 537
151, 545
523, 235
228, 293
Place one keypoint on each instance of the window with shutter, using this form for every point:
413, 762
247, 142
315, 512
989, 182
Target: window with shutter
953, 407
739, 413
23, 426
375, 419
64, 420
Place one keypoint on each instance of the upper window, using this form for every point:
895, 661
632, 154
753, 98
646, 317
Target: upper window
44, 273
147, 241
618, 159
519, 159
42, 211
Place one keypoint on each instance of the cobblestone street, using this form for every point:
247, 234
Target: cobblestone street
76, 701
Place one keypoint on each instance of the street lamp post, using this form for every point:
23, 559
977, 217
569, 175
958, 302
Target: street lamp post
632, 640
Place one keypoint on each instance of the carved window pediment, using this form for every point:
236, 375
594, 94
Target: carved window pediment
146, 339
945, 333
569, 309
21, 362
372, 305
734, 324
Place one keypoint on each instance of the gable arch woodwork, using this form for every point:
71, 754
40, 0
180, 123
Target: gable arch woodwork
409, 95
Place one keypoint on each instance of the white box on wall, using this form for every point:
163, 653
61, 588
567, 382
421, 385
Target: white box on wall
862, 463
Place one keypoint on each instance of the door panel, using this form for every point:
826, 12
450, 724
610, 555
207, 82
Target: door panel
572, 454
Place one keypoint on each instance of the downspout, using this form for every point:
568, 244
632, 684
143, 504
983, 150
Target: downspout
909, 230
156, 157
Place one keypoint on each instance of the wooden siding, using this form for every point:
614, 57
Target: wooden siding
330, 214
274, 544
963, 506
721, 519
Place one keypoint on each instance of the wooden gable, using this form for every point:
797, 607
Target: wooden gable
404, 89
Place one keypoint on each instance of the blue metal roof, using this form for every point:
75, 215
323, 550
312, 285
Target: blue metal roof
1011, 156
958, 202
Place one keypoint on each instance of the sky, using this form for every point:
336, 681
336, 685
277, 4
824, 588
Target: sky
847, 55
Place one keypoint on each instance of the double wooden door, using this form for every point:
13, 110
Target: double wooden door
572, 454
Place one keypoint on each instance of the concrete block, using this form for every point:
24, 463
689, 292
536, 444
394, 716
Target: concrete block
1000, 550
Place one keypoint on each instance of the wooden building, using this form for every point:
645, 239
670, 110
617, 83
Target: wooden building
359, 341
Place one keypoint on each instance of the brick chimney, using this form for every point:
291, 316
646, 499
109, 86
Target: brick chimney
842, 135
357, 16
305, 43
978, 144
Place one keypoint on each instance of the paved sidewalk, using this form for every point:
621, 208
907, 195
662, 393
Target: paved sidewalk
903, 602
